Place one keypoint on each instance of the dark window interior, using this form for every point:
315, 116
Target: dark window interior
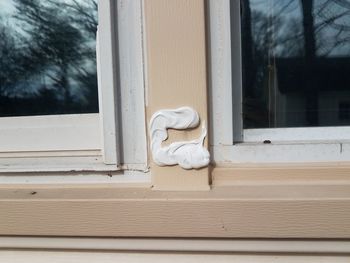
296, 63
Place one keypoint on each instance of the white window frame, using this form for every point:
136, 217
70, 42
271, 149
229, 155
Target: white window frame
90, 142
230, 143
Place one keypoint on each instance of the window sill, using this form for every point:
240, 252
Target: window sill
92, 161
282, 152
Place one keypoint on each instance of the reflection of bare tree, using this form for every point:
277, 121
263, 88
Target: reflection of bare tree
314, 29
249, 70
315, 25
53, 55
85, 15
6, 53
311, 96
308, 29
263, 37
333, 16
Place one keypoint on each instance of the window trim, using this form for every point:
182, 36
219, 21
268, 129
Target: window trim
303, 134
221, 91
132, 85
106, 54
37, 134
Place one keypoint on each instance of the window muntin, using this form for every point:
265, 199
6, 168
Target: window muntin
48, 57
296, 60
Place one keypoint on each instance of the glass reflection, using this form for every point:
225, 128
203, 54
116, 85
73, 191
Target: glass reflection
47, 57
296, 63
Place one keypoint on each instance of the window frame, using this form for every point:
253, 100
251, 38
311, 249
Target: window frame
231, 143
59, 139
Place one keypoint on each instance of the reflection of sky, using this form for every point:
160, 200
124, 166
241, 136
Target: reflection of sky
290, 8
34, 83
6, 6
327, 36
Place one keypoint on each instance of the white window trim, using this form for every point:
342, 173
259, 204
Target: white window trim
132, 70
285, 145
107, 81
309, 134
89, 142
28, 135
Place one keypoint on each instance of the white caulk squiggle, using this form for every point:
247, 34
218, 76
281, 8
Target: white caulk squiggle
188, 154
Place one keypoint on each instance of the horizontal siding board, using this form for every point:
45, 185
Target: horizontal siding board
145, 213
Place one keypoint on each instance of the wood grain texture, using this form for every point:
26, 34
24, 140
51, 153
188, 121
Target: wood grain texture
250, 211
176, 63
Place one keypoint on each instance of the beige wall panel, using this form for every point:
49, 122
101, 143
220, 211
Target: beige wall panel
242, 211
282, 174
176, 56
95, 257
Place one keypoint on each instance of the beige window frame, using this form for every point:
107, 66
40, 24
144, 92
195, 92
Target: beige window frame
227, 201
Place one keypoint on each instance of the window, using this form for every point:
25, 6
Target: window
292, 201
61, 106
295, 58
285, 68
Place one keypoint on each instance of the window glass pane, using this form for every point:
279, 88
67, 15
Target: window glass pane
296, 63
48, 57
